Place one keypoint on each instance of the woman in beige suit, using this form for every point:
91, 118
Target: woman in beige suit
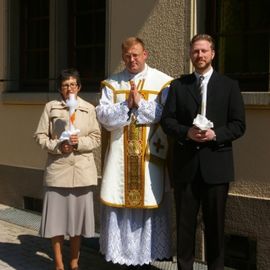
70, 169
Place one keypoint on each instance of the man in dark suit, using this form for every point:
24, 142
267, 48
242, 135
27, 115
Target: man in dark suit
202, 158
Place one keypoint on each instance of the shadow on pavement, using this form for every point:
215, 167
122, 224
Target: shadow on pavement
31, 253
35, 253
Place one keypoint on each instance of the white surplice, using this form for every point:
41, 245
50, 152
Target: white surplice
136, 235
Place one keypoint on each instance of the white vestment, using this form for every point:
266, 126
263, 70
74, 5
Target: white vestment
134, 170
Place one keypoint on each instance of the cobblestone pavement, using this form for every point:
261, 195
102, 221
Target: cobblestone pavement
22, 249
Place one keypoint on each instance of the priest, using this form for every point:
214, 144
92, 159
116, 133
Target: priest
135, 194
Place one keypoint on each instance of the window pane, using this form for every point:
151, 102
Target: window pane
100, 28
83, 5
38, 8
259, 15
35, 38
83, 25
38, 62
93, 25
243, 41
34, 67
87, 39
90, 62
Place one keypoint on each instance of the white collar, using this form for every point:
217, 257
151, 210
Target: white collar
138, 76
206, 75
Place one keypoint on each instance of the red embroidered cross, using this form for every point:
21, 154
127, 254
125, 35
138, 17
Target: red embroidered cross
158, 145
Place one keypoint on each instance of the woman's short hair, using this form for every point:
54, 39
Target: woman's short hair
65, 74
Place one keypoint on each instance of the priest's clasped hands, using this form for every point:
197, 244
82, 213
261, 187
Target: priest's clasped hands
134, 96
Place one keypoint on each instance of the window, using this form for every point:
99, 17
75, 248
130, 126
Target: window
60, 34
86, 40
34, 49
242, 33
240, 252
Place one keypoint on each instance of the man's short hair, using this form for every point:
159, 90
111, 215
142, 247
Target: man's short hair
203, 37
130, 41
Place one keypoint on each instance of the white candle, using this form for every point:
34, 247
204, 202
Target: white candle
204, 99
72, 105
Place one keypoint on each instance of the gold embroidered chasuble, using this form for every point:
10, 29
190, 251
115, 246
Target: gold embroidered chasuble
143, 172
134, 147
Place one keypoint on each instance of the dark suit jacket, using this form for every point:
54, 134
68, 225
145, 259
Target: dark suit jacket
225, 109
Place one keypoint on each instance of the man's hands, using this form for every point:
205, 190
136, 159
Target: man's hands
199, 135
134, 96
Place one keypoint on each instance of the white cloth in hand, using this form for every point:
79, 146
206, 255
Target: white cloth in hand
202, 122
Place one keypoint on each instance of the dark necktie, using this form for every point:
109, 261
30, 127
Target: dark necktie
200, 85
201, 78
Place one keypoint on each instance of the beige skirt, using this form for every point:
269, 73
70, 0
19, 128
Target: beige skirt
68, 212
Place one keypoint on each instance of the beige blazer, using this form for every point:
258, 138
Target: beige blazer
77, 168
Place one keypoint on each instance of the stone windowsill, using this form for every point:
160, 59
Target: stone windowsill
9, 98
251, 99
257, 99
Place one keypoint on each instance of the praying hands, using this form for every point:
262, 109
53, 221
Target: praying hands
134, 96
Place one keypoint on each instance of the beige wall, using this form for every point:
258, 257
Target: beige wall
18, 124
248, 205
161, 24
250, 217
163, 35
252, 156
19, 120
165, 27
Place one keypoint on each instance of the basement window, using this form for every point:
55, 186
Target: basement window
240, 252
32, 204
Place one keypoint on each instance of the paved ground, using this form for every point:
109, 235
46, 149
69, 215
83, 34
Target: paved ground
22, 249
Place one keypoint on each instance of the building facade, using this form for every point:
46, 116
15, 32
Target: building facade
40, 37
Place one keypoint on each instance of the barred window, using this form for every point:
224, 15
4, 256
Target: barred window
60, 34
242, 32
34, 40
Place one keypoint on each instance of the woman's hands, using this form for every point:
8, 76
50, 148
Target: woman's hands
67, 147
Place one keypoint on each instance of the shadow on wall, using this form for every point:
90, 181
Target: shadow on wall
125, 24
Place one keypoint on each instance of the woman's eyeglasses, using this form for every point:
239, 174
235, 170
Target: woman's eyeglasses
71, 85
